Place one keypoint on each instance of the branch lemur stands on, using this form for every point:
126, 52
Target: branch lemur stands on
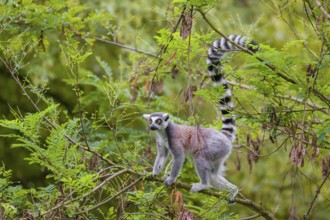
209, 147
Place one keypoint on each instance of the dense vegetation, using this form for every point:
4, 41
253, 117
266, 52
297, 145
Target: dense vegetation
76, 76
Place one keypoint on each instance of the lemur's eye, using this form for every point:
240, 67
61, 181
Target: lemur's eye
159, 121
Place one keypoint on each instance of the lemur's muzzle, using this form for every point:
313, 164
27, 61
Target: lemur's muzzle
153, 128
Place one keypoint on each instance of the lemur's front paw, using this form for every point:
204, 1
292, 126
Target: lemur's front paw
155, 171
232, 194
196, 187
231, 201
154, 175
169, 181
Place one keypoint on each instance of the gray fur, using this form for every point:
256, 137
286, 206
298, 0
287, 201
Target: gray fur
208, 147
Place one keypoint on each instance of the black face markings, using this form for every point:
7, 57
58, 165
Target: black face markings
150, 121
167, 117
153, 128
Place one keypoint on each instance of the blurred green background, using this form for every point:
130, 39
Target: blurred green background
273, 180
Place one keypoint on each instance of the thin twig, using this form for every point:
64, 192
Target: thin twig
322, 9
112, 197
308, 17
162, 51
75, 72
124, 46
318, 191
303, 141
279, 12
288, 97
249, 217
66, 202
191, 104
109, 178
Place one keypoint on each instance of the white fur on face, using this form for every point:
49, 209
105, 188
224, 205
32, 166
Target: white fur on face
146, 116
154, 119
157, 121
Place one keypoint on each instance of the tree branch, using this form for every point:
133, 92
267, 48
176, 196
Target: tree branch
318, 191
242, 201
258, 208
322, 9
124, 46
249, 217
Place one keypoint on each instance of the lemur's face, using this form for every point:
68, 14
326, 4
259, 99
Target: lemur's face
157, 121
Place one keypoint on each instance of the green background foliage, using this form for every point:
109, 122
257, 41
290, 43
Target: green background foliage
76, 77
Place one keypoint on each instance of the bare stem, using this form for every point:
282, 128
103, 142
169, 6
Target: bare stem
322, 9
249, 217
318, 191
124, 46
112, 197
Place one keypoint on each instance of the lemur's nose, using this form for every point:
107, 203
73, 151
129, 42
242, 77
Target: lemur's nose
153, 127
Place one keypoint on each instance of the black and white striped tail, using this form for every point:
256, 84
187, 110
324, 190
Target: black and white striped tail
215, 53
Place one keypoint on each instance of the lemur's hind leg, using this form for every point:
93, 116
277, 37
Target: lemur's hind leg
203, 169
218, 181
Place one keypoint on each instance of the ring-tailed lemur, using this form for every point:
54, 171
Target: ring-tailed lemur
209, 147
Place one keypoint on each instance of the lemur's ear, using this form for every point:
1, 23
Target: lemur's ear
146, 116
166, 116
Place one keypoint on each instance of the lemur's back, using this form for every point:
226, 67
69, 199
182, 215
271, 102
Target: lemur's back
196, 140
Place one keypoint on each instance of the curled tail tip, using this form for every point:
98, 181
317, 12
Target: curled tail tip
253, 46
